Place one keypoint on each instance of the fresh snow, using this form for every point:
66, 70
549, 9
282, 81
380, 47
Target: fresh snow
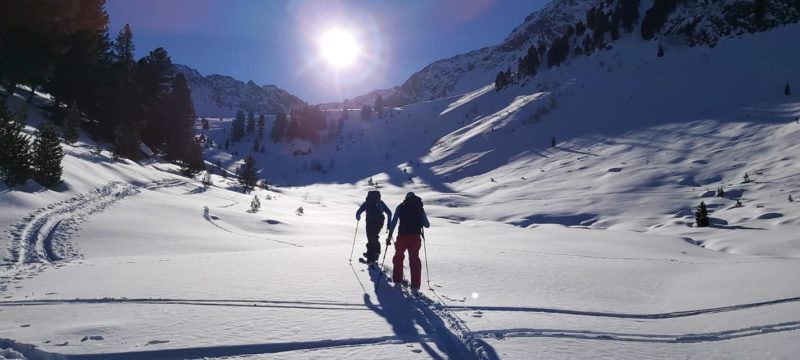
584, 250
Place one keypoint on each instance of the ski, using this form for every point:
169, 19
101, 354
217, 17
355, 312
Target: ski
365, 261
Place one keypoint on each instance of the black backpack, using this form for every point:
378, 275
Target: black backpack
411, 216
373, 207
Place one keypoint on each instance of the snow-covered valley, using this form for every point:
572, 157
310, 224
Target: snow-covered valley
586, 249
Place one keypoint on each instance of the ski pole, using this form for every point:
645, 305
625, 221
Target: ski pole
384, 255
354, 241
427, 271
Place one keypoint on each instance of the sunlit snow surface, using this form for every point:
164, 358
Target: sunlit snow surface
583, 250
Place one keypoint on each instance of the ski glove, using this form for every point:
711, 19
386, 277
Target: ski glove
389, 240
358, 217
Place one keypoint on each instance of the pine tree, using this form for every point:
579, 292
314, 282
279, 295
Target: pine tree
76, 39
746, 178
787, 90
204, 124
366, 112
181, 145
248, 174
655, 17
279, 127
227, 143
153, 83
123, 50
628, 14
255, 204
237, 128
264, 184
251, 123
588, 44
580, 29
529, 64
124, 110
256, 145
759, 10
15, 165
378, 106
47, 155
790, 198
502, 79
72, 123
660, 51
701, 215
340, 126
720, 192
192, 161
553, 141
558, 51
261, 123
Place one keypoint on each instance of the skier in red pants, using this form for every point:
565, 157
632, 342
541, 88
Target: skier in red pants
412, 218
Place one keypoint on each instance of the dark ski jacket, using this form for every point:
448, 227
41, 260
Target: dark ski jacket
381, 205
423, 221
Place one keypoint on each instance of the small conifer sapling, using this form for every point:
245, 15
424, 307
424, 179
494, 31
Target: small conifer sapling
701, 215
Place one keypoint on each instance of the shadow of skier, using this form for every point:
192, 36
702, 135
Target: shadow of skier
402, 314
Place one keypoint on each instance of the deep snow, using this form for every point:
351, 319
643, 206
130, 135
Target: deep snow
583, 250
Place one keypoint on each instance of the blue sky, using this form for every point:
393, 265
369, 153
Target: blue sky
276, 42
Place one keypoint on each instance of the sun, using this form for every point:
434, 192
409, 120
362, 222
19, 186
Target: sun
339, 48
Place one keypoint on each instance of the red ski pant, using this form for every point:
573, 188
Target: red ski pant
411, 243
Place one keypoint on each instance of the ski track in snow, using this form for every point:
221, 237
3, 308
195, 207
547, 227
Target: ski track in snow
611, 258
41, 239
448, 328
333, 305
446, 321
633, 337
269, 348
251, 303
668, 315
207, 216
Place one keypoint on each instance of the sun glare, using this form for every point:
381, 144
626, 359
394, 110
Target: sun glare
339, 48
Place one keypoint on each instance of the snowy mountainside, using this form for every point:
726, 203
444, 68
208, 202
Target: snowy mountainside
704, 23
222, 96
692, 23
585, 250
582, 250
612, 92
359, 101
490, 149
446, 77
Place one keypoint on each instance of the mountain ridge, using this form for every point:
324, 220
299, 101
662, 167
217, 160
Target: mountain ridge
218, 95
685, 22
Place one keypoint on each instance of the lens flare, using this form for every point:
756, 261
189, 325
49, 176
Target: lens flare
339, 48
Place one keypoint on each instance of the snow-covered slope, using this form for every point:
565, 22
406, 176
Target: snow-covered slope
693, 23
359, 101
587, 249
222, 96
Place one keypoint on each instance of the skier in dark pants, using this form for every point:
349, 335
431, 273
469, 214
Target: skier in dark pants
375, 209
412, 218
